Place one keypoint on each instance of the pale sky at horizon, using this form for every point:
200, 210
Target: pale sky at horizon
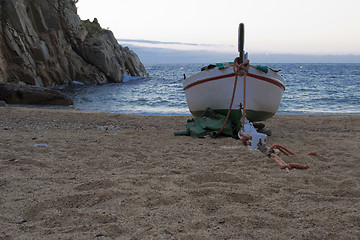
278, 26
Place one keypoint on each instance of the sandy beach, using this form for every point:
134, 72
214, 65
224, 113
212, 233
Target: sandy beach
74, 175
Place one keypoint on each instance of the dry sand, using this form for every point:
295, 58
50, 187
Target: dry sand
76, 175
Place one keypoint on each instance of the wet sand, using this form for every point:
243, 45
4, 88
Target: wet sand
75, 175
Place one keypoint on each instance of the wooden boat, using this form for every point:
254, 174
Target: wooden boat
213, 88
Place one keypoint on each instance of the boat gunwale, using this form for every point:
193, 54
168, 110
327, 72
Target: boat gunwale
259, 77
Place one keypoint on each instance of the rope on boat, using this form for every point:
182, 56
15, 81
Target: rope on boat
239, 70
242, 70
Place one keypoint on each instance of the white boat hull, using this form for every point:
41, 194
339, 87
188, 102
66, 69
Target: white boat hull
213, 89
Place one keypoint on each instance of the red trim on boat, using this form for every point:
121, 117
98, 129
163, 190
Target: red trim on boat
269, 80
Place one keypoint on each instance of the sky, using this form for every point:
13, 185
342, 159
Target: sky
306, 27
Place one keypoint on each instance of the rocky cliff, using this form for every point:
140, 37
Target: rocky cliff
44, 43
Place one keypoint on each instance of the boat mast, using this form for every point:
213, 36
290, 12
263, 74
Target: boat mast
241, 43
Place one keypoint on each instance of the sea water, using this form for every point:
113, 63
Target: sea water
310, 89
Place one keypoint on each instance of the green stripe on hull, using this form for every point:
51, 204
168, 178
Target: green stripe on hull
256, 116
235, 115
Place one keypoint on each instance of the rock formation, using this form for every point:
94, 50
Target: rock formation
25, 94
44, 43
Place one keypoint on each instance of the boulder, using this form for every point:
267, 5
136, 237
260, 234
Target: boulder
3, 103
13, 93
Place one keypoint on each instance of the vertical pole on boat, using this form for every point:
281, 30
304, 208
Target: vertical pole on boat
241, 43
241, 60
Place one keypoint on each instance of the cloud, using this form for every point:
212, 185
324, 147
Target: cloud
157, 42
178, 45
158, 52
149, 55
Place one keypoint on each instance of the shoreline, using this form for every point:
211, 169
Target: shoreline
73, 174
72, 108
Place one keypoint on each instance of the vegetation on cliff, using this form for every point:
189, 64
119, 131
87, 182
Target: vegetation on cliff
93, 27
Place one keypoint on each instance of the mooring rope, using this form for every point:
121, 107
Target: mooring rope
240, 69
283, 165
